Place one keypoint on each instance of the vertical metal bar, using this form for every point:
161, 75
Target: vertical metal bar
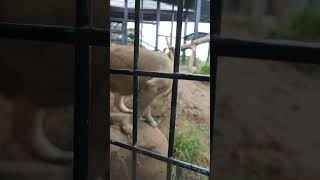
172, 19
175, 88
108, 90
186, 19
215, 18
82, 94
197, 18
157, 25
135, 88
99, 119
125, 23
99, 131
141, 21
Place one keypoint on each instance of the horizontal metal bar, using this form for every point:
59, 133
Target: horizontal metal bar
160, 157
278, 50
195, 77
63, 34
291, 51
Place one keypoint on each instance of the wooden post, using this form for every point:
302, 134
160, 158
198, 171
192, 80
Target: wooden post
193, 47
170, 49
193, 58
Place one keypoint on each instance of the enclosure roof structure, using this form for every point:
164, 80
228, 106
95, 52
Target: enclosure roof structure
150, 7
188, 3
191, 36
147, 4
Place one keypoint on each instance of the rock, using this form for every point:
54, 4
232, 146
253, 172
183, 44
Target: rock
149, 138
59, 129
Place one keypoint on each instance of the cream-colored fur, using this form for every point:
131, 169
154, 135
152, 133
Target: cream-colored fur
119, 104
121, 57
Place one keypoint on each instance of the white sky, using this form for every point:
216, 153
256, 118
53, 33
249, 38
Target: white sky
149, 36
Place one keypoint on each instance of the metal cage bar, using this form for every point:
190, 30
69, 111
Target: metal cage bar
175, 88
157, 25
215, 22
160, 157
197, 17
98, 150
135, 88
141, 21
196, 77
82, 94
279, 50
186, 20
172, 19
125, 23
54, 33
289, 51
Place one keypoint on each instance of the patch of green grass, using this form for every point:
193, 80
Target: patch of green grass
191, 145
203, 69
187, 144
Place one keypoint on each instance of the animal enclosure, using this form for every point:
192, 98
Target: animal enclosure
122, 35
92, 138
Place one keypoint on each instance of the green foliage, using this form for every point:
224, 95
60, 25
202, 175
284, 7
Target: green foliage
305, 26
189, 146
203, 69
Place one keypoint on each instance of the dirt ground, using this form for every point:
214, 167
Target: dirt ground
266, 125
193, 104
267, 119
